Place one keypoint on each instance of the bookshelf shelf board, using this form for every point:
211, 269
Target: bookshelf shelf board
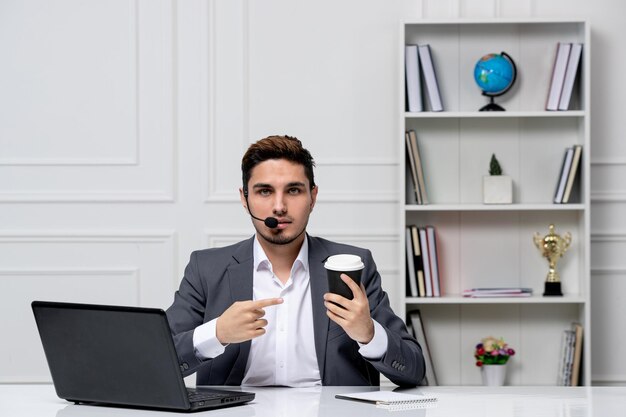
535, 299
494, 207
493, 115
493, 21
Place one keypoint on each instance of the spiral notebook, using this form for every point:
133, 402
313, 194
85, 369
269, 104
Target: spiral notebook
391, 400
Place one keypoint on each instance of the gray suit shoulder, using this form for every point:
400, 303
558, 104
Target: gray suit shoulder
223, 256
335, 248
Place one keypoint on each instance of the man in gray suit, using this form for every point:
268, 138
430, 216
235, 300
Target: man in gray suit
259, 312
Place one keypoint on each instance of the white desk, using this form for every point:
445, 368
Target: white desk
41, 401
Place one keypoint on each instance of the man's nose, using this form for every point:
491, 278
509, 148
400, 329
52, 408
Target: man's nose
280, 206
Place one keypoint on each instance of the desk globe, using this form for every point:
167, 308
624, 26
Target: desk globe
495, 74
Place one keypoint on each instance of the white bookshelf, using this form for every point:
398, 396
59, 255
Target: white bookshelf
492, 245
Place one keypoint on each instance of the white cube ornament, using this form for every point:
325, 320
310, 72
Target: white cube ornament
497, 189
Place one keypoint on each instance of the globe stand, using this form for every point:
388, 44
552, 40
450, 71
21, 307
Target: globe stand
491, 106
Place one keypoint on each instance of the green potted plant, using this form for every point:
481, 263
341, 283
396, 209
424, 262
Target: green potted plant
497, 188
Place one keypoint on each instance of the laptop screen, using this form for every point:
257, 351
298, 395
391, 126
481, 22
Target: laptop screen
115, 355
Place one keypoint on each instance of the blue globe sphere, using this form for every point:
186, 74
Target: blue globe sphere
494, 74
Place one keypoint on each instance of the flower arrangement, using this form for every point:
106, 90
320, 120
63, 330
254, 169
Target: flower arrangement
492, 351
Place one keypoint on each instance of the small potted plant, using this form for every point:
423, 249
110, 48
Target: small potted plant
497, 188
492, 356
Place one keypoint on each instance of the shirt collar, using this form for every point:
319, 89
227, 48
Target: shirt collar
261, 260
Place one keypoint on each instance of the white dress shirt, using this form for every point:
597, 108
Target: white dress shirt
285, 355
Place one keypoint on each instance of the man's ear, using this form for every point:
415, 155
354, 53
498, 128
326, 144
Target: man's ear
314, 196
242, 197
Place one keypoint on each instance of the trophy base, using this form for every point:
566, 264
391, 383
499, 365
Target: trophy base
552, 289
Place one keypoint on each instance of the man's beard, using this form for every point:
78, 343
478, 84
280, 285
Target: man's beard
280, 238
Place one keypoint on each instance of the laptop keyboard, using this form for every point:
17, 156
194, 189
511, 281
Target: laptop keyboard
202, 395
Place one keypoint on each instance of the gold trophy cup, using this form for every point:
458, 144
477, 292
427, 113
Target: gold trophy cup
552, 247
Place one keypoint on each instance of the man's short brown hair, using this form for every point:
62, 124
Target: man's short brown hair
276, 147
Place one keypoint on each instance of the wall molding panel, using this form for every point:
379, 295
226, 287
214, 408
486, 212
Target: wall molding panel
69, 272
88, 236
608, 161
225, 113
609, 380
608, 197
138, 166
125, 267
597, 237
153, 253
133, 129
608, 271
47, 196
82, 162
20, 286
602, 167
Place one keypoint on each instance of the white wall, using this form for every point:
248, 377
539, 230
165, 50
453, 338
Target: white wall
122, 125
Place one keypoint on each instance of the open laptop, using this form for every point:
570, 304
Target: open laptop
122, 356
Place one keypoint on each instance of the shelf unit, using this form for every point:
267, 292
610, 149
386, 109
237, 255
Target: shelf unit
492, 245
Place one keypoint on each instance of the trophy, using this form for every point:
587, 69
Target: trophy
552, 247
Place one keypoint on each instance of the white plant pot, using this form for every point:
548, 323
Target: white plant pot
493, 375
497, 189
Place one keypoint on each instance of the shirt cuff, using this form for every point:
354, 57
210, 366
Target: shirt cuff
205, 341
377, 347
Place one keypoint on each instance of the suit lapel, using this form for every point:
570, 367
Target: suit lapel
240, 274
240, 271
319, 286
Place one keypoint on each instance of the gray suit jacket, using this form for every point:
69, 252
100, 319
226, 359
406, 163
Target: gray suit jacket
216, 278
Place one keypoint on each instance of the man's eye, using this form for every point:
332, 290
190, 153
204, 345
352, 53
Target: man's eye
294, 191
264, 192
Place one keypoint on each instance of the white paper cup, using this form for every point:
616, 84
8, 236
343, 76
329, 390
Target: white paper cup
335, 265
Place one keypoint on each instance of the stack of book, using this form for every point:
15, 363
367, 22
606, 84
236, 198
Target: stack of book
564, 73
569, 169
415, 167
498, 292
419, 66
422, 262
416, 326
571, 354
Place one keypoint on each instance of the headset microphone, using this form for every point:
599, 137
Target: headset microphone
271, 222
